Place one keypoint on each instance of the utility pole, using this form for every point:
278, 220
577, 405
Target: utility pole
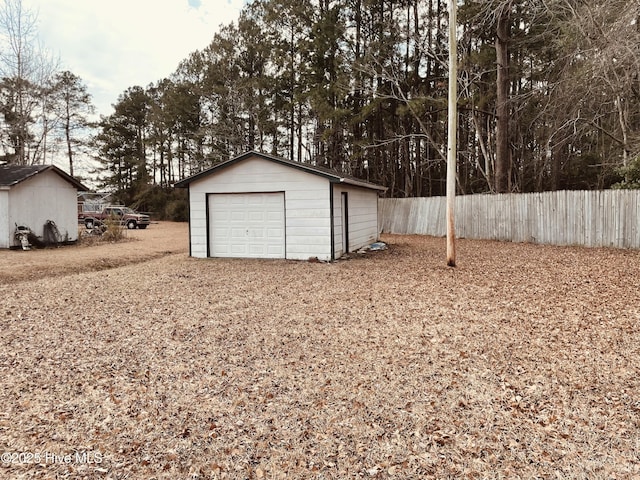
452, 133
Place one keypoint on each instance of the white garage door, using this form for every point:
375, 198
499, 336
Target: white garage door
247, 225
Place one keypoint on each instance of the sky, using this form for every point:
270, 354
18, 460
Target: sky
116, 44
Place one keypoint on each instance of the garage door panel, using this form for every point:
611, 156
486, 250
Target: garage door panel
257, 250
256, 233
225, 216
221, 232
256, 216
247, 225
238, 233
221, 251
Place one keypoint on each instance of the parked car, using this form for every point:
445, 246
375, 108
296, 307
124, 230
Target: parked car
125, 215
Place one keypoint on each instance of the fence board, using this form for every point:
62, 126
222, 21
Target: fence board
590, 218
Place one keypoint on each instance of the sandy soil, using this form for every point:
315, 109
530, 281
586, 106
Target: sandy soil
522, 362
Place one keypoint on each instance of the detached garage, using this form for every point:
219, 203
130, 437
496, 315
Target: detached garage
260, 206
31, 196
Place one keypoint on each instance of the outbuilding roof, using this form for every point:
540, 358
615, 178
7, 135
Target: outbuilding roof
331, 175
11, 175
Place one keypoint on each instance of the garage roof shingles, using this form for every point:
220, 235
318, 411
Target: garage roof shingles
11, 175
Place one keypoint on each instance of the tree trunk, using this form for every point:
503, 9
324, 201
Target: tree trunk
67, 136
502, 101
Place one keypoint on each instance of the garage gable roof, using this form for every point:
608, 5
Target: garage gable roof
11, 175
332, 176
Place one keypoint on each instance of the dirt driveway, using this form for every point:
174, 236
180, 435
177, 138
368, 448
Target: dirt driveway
159, 239
522, 362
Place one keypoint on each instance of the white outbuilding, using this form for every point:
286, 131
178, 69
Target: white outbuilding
260, 206
35, 195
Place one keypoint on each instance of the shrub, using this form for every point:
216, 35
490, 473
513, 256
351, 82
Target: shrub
631, 174
113, 230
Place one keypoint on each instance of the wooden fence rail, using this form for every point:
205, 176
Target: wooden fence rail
590, 218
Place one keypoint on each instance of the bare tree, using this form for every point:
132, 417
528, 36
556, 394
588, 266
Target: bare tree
26, 71
605, 69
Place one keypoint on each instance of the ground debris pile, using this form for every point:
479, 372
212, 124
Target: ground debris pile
519, 363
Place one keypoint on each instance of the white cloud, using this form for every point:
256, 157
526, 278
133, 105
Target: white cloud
116, 44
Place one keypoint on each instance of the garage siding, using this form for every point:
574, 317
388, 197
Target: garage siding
307, 213
5, 232
45, 196
363, 217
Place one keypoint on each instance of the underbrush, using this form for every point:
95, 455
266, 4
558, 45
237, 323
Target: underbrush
110, 231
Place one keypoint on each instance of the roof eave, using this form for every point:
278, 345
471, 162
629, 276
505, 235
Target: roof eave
45, 168
27, 177
362, 184
65, 176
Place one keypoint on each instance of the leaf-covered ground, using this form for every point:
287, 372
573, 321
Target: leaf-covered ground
522, 362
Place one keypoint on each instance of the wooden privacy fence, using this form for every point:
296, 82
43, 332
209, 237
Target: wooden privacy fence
591, 218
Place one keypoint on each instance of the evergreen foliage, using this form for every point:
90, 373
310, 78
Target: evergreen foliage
631, 175
549, 98
361, 86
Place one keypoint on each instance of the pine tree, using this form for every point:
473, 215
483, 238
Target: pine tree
73, 108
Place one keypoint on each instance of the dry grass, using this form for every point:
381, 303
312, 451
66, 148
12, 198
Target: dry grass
520, 363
